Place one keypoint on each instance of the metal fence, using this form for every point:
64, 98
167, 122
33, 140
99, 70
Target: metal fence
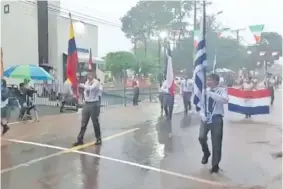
49, 95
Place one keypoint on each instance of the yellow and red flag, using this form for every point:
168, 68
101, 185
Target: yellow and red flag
72, 59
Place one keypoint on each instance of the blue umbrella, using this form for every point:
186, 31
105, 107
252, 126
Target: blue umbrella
27, 71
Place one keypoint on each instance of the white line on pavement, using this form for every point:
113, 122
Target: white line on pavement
64, 150
68, 150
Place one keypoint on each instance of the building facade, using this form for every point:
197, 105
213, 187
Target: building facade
36, 32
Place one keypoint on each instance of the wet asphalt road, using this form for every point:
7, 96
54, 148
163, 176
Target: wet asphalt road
155, 154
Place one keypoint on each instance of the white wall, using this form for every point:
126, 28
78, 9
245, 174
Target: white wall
86, 41
19, 34
53, 17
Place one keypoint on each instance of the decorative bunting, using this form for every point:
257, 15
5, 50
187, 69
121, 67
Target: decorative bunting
257, 30
262, 53
274, 53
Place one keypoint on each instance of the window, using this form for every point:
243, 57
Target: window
6, 9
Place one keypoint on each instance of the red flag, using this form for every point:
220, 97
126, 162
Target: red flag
72, 59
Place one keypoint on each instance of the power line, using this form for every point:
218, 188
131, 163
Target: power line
77, 15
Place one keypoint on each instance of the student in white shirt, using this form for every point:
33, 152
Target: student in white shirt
186, 89
91, 108
270, 85
248, 85
213, 121
168, 100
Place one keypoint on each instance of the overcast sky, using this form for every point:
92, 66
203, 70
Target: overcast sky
236, 14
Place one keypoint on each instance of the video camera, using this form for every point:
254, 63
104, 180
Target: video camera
30, 92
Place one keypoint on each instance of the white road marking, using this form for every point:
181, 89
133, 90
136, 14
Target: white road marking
68, 150
63, 150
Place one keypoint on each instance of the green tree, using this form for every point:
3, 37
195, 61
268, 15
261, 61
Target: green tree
118, 62
147, 19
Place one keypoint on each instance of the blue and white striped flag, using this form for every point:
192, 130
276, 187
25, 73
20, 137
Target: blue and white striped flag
199, 74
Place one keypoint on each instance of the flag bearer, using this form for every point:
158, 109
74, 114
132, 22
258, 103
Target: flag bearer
168, 100
212, 120
91, 108
186, 89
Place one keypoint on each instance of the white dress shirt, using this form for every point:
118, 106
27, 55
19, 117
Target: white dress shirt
248, 86
186, 85
220, 97
92, 89
164, 88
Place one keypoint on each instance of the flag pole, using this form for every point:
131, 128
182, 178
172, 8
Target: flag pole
204, 67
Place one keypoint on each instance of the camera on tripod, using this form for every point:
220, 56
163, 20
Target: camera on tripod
30, 92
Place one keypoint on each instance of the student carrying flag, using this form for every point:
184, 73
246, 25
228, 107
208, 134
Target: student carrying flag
209, 99
168, 86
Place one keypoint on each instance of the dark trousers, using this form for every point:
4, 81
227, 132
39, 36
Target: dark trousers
216, 130
136, 96
161, 96
90, 110
168, 105
271, 89
187, 101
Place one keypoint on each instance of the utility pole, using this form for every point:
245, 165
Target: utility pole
193, 34
237, 31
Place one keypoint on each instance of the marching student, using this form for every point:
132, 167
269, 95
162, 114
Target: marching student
186, 89
168, 100
248, 85
91, 108
270, 83
212, 120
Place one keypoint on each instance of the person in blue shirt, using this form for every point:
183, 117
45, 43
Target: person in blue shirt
212, 120
4, 106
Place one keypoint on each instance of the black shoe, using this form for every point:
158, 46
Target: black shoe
214, 169
98, 141
5, 129
204, 159
78, 143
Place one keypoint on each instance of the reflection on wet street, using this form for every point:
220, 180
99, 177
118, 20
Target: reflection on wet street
159, 154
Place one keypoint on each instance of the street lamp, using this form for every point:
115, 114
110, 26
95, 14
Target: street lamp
163, 35
79, 28
219, 12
